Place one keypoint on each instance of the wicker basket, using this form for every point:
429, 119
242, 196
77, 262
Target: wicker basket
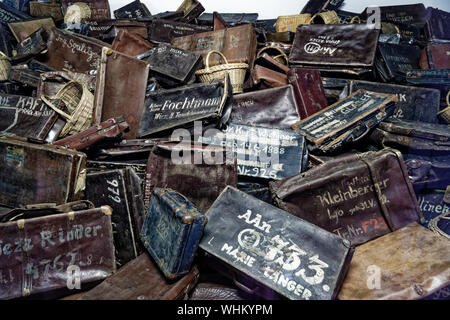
355, 19
445, 114
236, 71
290, 23
5, 66
281, 58
327, 17
79, 102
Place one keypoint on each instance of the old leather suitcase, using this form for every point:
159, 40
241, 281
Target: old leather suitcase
231, 19
140, 279
23, 29
359, 199
427, 174
172, 66
31, 46
138, 168
24, 76
182, 106
120, 189
112, 128
191, 9
133, 10
60, 178
26, 117
267, 153
348, 49
347, 120
418, 104
411, 263
394, 60
437, 26
39, 250
438, 55
414, 14
276, 107
439, 79
46, 9
308, 90
172, 231
416, 140
120, 98
435, 207
107, 29
274, 248
238, 44
130, 44
163, 31
99, 8
265, 78
200, 182
7, 40
314, 6
124, 150
67, 50
10, 14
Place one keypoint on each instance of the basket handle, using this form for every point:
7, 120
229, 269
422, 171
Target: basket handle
270, 47
448, 99
216, 52
354, 19
51, 105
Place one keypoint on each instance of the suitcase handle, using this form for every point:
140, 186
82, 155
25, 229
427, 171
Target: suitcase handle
243, 287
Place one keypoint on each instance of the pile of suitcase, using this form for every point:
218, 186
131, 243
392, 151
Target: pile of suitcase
193, 155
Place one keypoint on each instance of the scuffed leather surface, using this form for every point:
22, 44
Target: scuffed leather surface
212, 291
140, 279
414, 263
318, 195
271, 107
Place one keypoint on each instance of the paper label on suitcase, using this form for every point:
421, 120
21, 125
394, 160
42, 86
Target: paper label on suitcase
418, 104
168, 109
109, 188
25, 116
268, 153
99, 9
46, 253
341, 116
289, 255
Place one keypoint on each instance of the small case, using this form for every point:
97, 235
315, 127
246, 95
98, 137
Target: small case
172, 231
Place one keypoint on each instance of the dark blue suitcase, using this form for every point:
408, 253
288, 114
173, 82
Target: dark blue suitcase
172, 231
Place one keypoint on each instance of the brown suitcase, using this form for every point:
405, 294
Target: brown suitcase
359, 198
39, 247
130, 44
67, 50
275, 107
120, 98
112, 128
141, 279
23, 29
409, 264
34, 173
238, 44
200, 183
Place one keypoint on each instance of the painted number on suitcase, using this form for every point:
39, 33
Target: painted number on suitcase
115, 191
